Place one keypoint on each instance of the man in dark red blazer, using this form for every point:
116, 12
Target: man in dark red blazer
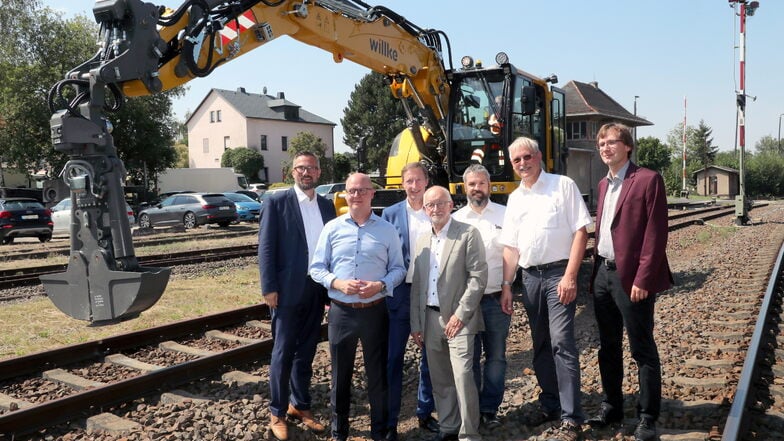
630, 268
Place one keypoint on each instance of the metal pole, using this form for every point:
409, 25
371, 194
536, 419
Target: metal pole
780, 132
635, 114
741, 214
684, 193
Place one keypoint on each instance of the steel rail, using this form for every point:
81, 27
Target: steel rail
737, 420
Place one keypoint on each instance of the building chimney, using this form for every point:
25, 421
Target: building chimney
281, 96
241, 89
595, 84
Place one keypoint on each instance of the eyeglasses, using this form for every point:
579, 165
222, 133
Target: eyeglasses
436, 204
526, 157
609, 143
358, 191
306, 168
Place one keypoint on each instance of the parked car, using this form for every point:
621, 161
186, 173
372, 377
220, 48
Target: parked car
190, 210
329, 190
24, 217
251, 194
247, 209
267, 194
61, 216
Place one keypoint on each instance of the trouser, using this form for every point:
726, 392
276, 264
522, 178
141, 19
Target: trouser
296, 330
556, 359
347, 327
614, 312
490, 377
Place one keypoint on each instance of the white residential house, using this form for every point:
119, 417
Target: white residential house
236, 118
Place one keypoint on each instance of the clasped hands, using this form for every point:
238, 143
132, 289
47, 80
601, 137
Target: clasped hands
364, 289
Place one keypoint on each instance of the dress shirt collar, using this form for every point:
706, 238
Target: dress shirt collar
442, 234
302, 197
621, 173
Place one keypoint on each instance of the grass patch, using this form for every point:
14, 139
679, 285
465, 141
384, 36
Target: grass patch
37, 325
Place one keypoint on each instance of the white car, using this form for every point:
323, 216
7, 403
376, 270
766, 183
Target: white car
61, 216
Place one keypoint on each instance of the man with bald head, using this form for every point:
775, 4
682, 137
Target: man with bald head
449, 278
359, 260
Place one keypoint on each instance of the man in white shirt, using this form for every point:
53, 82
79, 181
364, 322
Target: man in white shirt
488, 217
545, 233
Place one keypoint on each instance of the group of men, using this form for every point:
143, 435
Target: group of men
445, 280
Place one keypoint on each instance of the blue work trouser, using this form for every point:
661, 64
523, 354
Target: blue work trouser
556, 359
491, 375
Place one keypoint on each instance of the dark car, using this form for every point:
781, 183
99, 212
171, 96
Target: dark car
251, 194
24, 217
190, 210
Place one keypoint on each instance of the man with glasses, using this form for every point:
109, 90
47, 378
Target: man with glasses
630, 267
409, 218
488, 217
450, 274
544, 232
289, 228
359, 260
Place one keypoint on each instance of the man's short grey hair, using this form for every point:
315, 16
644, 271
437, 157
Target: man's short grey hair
524, 142
476, 169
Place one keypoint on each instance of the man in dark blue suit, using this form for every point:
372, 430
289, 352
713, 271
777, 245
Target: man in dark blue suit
289, 228
410, 220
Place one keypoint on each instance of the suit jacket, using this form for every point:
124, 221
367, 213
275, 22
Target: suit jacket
461, 281
639, 230
283, 248
397, 215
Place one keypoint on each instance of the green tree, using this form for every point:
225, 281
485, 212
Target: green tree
182, 156
651, 153
342, 165
373, 113
144, 134
727, 159
243, 160
307, 141
765, 175
31, 62
769, 144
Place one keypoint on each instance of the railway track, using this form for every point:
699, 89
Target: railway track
71, 371
710, 352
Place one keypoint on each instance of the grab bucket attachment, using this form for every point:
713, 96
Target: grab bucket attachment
106, 295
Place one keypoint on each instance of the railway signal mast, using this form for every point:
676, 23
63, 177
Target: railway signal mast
747, 8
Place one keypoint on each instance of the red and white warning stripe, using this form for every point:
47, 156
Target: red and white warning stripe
246, 21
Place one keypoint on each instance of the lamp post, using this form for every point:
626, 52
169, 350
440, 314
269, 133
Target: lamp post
635, 114
780, 132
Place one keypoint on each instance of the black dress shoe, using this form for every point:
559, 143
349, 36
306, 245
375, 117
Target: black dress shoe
391, 434
645, 431
429, 423
489, 421
607, 415
440, 436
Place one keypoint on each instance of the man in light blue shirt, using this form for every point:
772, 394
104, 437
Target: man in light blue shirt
359, 260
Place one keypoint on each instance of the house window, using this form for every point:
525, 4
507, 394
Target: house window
577, 130
263, 142
226, 142
218, 115
205, 145
212, 116
284, 143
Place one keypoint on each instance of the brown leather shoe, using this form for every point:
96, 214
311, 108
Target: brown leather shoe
279, 428
306, 416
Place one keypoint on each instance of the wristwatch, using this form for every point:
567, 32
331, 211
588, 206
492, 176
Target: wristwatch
383, 288
506, 283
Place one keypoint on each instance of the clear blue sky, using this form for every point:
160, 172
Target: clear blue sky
661, 51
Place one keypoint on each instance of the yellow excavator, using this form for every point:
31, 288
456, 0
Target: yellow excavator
456, 116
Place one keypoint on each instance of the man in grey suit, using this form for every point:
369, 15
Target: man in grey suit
450, 274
